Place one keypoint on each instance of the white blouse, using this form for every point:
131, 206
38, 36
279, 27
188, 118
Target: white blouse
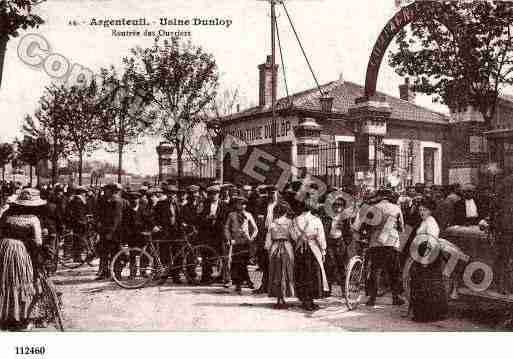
429, 226
311, 226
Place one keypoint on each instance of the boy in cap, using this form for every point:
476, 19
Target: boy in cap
240, 230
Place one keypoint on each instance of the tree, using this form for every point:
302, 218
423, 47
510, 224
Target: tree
47, 122
469, 67
32, 151
78, 113
15, 14
126, 96
184, 80
6, 156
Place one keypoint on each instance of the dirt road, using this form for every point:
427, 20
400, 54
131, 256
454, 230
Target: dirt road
102, 306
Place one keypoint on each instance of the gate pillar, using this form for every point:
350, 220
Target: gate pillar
469, 155
369, 117
308, 136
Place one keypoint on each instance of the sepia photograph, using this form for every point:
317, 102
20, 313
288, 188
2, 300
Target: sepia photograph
238, 166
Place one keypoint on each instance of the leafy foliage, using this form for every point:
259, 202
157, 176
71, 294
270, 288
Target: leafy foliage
126, 98
468, 67
16, 14
184, 80
6, 156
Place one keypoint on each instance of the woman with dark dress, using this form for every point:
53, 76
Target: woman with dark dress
428, 298
21, 236
307, 231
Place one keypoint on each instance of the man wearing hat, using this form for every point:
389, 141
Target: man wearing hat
194, 207
76, 216
181, 199
135, 221
211, 230
110, 215
144, 200
386, 221
467, 211
167, 221
240, 230
226, 191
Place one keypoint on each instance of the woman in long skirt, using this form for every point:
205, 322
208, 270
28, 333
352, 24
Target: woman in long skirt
21, 234
428, 295
281, 257
309, 275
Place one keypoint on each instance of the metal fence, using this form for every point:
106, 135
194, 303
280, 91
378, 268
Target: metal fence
201, 168
334, 163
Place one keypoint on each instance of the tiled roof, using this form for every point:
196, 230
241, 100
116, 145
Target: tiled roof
344, 95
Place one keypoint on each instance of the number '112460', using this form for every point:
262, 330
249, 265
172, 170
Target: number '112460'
30, 350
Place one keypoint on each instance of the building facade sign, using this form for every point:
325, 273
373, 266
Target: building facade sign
259, 131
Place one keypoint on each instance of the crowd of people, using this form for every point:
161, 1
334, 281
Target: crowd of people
300, 245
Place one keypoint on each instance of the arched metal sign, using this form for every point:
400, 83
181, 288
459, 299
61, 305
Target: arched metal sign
403, 17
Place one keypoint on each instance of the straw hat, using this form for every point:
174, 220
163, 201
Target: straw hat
29, 197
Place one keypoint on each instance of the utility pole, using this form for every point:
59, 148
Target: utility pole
273, 71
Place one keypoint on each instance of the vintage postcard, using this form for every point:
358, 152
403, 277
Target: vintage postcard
255, 165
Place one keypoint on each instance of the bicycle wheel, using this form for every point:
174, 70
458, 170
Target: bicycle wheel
202, 265
132, 268
93, 239
70, 257
255, 275
353, 285
46, 308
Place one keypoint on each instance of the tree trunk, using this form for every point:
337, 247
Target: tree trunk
3, 173
54, 170
120, 161
37, 175
179, 163
30, 171
3, 48
80, 165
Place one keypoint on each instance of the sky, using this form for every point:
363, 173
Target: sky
337, 36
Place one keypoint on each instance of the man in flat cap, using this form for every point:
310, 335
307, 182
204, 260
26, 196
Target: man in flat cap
110, 214
211, 230
135, 221
194, 207
76, 216
167, 223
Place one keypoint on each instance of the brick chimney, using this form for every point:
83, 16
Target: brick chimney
265, 81
406, 91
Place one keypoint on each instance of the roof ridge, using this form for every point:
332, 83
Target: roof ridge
401, 100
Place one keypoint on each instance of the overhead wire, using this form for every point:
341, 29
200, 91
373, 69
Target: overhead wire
301, 46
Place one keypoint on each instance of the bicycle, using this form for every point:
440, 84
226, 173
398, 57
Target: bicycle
46, 306
134, 267
63, 252
357, 275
